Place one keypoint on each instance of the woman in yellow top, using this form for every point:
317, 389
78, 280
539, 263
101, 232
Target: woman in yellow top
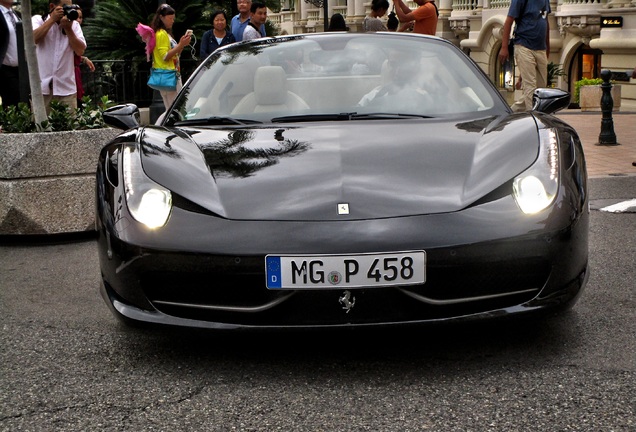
167, 50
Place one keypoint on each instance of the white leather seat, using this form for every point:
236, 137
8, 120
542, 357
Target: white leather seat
385, 73
270, 94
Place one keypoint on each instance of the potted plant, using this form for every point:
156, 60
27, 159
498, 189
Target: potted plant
47, 179
554, 71
588, 92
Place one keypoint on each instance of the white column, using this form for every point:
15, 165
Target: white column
445, 7
358, 8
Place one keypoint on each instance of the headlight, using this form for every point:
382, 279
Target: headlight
536, 188
148, 202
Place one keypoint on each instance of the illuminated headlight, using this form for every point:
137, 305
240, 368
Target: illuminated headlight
536, 188
148, 202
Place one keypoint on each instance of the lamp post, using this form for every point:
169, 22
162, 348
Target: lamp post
23, 69
607, 135
326, 14
156, 107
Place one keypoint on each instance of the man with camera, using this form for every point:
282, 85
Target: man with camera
424, 17
57, 37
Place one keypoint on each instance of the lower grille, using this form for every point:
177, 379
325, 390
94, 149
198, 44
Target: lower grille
239, 296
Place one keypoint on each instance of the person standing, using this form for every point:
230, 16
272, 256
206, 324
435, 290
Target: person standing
217, 36
256, 26
9, 74
337, 23
393, 23
425, 16
81, 60
240, 20
167, 50
532, 46
57, 38
373, 22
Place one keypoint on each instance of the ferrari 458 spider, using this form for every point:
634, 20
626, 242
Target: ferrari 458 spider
341, 180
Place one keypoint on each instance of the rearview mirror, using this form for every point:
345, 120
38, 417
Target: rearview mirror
550, 100
122, 116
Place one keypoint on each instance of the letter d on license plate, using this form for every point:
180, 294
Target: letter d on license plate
345, 271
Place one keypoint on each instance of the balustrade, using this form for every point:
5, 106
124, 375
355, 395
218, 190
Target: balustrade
580, 2
313, 15
464, 5
499, 4
341, 10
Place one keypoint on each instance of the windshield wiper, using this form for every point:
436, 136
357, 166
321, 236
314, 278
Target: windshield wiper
313, 117
216, 120
345, 117
383, 115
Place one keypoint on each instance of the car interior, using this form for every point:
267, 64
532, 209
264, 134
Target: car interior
304, 77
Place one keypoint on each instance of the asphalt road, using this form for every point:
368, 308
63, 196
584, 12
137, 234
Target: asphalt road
68, 365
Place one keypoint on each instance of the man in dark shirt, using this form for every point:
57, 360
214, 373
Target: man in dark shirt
532, 46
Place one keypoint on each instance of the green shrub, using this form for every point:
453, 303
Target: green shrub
16, 119
19, 119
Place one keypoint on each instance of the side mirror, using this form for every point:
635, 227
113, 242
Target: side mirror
122, 116
550, 100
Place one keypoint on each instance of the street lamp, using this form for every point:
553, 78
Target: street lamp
23, 68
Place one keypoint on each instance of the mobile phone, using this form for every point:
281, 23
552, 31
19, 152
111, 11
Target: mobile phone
189, 32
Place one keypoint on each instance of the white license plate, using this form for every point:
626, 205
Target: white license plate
345, 271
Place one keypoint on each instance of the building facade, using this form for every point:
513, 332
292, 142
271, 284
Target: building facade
586, 36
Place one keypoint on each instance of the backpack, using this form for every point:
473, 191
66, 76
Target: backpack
436, 10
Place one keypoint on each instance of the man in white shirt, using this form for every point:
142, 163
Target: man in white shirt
242, 19
254, 27
9, 74
56, 39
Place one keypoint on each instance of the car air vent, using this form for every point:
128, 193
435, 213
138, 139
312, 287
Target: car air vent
187, 205
502, 191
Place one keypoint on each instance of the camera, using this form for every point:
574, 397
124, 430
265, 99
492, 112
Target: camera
70, 12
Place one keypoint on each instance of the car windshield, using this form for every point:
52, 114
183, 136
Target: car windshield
327, 77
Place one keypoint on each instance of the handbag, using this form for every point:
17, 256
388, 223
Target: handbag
163, 79
511, 41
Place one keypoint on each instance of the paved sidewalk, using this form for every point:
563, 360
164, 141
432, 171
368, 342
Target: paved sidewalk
603, 160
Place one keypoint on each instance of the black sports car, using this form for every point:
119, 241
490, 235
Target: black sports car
341, 179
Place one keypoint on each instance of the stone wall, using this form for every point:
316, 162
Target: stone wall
47, 181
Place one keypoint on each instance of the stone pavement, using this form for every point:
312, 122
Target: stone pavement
604, 160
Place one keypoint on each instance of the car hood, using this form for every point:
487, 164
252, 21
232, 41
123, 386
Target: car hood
306, 171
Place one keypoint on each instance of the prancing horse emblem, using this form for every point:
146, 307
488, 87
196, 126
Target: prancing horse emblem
347, 301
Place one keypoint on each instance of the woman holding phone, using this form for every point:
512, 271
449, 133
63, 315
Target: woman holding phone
167, 49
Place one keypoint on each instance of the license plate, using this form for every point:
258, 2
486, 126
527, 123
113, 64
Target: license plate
345, 271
